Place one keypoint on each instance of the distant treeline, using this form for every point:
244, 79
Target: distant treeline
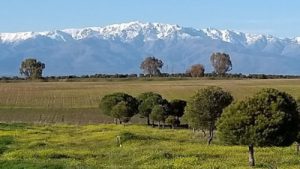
33, 69
163, 75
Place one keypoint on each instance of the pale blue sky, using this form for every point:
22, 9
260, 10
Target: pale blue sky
277, 17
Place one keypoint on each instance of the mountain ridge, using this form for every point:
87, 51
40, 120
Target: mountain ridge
77, 33
119, 48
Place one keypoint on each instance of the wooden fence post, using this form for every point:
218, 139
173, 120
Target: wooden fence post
119, 141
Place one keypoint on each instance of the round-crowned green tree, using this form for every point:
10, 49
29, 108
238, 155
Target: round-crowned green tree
173, 121
205, 107
121, 112
177, 107
159, 114
120, 106
298, 135
147, 102
270, 118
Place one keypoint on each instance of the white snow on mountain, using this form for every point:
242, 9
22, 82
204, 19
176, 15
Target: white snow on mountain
119, 48
297, 39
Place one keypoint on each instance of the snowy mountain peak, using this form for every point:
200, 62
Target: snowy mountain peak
224, 35
15, 37
297, 39
125, 31
146, 31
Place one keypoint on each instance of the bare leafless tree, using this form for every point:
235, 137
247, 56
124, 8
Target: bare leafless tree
196, 70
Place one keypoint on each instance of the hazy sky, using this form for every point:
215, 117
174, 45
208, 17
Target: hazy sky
276, 17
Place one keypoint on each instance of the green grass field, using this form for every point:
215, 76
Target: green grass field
77, 102
95, 146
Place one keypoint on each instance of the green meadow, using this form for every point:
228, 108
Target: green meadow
95, 146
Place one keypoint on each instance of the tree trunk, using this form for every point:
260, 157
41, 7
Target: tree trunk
298, 147
40, 119
116, 121
204, 134
251, 155
210, 138
148, 121
211, 135
193, 130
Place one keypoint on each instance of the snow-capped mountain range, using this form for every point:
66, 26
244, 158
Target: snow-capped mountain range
120, 48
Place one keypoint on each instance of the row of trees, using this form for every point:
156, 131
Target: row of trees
33, 69
149, 105
163, 75
269, 118
203, 110
220, 61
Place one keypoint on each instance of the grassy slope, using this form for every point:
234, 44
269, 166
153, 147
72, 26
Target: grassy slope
77, 102
94, 146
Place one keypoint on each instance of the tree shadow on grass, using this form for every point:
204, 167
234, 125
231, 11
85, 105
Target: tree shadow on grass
127, 136
5, 141
14, 126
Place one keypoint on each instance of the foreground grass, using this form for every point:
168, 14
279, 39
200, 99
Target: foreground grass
94, 146
77, 102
